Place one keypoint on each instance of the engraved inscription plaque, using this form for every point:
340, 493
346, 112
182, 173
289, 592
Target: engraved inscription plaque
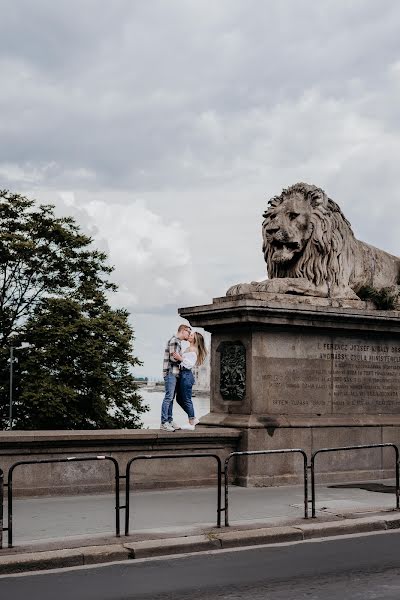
232, 370
319, 375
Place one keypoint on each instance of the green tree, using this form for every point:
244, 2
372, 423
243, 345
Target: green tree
54, 289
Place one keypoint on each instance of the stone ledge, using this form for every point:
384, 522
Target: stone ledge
292, 301
220, 420
296, 311
120, 437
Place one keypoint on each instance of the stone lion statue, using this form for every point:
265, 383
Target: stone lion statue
310, 249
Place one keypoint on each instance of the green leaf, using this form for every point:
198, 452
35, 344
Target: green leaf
54, 290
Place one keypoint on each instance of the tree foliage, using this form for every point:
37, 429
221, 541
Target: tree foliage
54, 288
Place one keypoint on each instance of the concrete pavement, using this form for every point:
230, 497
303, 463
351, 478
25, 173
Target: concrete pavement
70, 531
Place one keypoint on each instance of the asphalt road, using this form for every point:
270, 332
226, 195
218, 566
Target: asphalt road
362, 567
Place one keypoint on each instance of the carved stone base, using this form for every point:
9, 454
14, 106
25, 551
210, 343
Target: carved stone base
306, 373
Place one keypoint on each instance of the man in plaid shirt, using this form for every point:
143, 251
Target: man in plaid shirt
171, 374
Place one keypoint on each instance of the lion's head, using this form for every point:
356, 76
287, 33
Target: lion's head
303, 234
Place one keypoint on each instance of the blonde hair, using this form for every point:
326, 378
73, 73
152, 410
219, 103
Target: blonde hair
201, 348
183, 326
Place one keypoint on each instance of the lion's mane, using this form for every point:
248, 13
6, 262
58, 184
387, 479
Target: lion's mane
329, 249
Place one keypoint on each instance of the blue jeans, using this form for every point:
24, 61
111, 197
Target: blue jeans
184, 392
167, 405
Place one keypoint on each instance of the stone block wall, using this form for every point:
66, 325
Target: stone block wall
98, 476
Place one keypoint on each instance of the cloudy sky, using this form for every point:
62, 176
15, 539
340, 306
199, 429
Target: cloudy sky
163, 127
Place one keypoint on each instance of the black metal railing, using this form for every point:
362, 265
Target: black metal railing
9, 485
1, 507
171, 456
258, 452
344, 448
127, 477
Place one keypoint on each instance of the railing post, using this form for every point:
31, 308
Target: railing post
226, 492
10, 507
305, 485
127, 498
116, 491
219, 492
313, 486
396, 449
1, 507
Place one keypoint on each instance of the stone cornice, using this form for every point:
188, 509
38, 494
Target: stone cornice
105, 439
274, 310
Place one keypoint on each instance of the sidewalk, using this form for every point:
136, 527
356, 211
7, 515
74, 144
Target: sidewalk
80, 529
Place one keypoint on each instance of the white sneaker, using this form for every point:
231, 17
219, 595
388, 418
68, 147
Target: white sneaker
188, 427
175, 425
166, 427
195, 421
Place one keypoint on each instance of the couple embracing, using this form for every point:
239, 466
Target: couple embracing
178, 376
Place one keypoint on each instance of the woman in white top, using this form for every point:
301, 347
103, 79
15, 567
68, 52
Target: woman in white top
194, 355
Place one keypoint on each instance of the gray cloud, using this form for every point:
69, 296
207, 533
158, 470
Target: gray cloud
201, 111
113, 97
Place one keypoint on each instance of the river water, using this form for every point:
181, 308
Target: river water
152, 419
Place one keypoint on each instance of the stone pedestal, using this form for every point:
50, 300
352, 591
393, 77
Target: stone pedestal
291, 371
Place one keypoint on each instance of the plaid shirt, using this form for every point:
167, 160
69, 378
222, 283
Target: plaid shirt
170, 365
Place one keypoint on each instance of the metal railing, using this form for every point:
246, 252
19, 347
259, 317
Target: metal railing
259, 452
225, 509
362, 447
9, 485
1, 506
171, 456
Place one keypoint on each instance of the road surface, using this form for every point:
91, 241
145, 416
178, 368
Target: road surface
362, 567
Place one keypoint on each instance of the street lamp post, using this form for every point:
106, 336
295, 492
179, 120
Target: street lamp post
12, 359
11, 384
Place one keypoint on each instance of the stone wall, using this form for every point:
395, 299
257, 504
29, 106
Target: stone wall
98, 476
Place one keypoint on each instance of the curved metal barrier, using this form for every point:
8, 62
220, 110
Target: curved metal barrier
257, 452
9, 529
127, 477
396, 450
171, 456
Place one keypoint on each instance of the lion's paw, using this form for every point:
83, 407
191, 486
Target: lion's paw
240, 288
275, 286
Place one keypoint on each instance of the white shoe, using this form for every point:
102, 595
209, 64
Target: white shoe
175, 425
188, 427
166, 427
195, 421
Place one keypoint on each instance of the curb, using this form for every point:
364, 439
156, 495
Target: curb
267, 535
57, 559
90, 555
181, 545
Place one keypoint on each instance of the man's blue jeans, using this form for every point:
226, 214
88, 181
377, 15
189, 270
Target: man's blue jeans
167, 404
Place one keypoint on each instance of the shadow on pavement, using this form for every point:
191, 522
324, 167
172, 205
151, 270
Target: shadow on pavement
369, 487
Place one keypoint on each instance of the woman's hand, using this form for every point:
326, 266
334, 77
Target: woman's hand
177, 356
